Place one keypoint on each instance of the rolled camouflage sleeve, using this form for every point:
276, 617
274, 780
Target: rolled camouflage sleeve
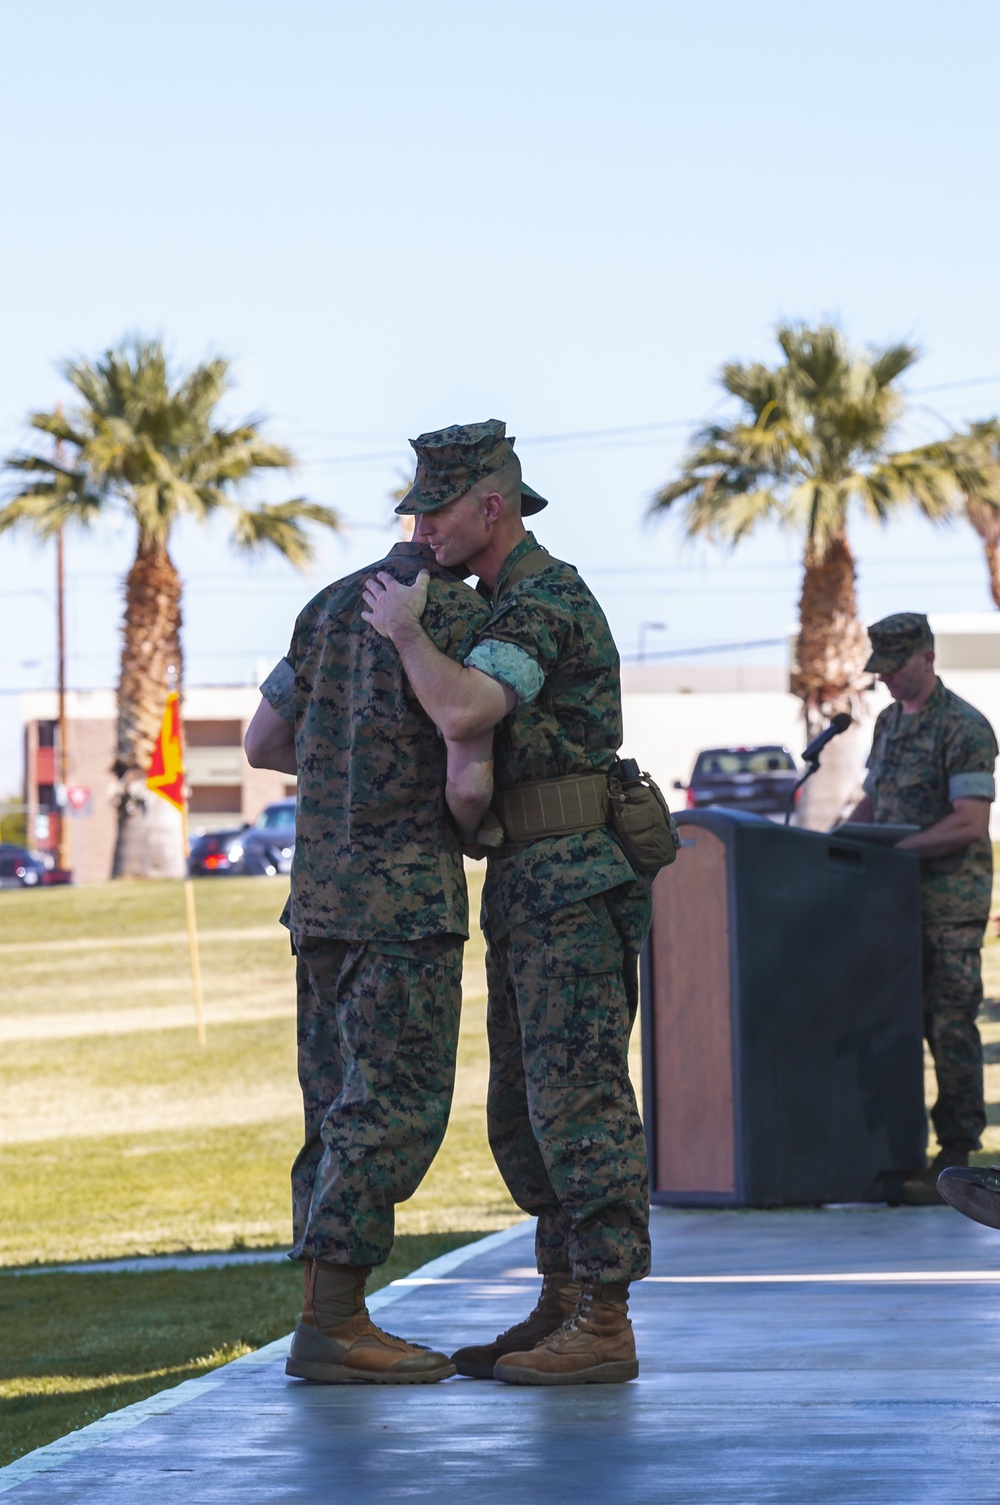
972, 786
278, 690
970, 756
528, 634
509, 664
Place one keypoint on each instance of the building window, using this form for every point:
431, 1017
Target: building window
47, 733
213, 733
215, 799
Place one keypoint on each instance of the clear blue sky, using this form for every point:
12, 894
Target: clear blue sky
562, 213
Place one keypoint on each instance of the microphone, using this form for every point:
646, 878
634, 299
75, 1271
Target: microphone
839, 724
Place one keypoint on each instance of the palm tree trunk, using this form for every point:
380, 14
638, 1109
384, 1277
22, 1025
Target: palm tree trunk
991, 549
149, 843
828, 678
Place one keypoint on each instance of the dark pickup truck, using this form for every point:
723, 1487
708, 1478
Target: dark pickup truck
758, 779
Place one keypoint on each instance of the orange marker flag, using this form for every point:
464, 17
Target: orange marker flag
165, 775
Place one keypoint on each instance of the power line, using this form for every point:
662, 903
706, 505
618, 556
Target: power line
620, 431
706, 648
951, 386
571, 436
632, 428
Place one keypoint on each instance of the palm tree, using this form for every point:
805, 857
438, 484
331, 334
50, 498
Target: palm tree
980, 447
147, 442
813, 441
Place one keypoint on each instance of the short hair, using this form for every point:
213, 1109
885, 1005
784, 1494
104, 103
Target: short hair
506, 481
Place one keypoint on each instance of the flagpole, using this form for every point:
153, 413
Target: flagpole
192, 930
189, 911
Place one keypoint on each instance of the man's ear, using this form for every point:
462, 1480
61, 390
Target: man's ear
490, 508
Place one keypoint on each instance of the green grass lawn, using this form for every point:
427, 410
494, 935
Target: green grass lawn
142, 1333
119, 1135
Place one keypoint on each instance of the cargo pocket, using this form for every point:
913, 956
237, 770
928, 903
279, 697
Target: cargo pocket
585, 1004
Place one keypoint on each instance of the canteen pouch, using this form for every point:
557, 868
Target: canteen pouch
640, 818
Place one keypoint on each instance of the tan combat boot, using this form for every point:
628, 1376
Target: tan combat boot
921, 1190
594, 1346
558, 1297
337, 1343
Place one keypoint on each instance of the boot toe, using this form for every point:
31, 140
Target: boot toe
475, 1363
973, 1191
527, 1369
427, 1365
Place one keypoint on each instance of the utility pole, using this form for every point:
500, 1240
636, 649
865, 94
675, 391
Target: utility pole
643, 628
63, 769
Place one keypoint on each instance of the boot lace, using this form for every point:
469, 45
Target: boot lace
579, 1315
374, 1331
524, 1326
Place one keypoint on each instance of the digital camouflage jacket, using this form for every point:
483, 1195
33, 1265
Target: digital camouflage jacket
375, 857
918, 765
548, 639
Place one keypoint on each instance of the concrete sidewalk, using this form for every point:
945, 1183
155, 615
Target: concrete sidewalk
846, 1356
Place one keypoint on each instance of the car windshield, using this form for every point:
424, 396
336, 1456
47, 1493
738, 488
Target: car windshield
273, 816
725, 761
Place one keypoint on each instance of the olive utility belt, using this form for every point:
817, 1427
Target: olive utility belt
553, 807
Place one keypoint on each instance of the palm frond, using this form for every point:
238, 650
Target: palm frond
888, 364
278, 525
47, 506
814, 437
728, 518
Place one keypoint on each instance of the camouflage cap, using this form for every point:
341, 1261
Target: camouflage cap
450, 461
897, 638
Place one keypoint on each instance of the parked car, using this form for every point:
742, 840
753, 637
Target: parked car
268, 845
20, 868
216, 852
758, 779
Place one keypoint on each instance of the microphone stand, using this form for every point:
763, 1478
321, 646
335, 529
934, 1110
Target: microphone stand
789, 807
838, 724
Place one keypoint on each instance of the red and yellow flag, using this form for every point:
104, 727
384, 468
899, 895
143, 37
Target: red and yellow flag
165, 775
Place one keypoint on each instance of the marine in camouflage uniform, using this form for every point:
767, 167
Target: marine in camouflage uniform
920, 764
378, 912
565, 918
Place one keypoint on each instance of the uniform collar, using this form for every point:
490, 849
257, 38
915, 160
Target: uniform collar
527, 543
407, 549
933, 702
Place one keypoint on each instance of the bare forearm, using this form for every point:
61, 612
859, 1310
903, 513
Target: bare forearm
967, 822
270, 741
463, 702
863, 812
469, 787
280, 759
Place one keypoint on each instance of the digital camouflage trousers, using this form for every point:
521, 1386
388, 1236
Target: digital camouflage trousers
561, 1113
953, 993
377, 1036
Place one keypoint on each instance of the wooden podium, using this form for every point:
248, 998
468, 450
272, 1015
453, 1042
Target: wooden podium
782, 1018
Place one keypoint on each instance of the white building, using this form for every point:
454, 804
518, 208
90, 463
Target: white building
671, 711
